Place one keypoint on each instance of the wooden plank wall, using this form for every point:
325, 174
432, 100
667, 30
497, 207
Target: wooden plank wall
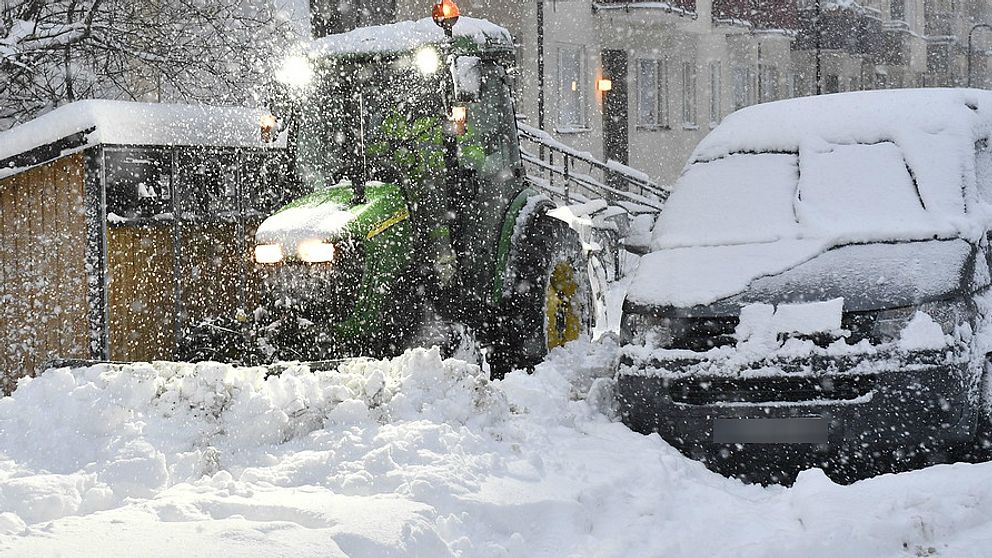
141, 289
216, 270
43, 308
210, 270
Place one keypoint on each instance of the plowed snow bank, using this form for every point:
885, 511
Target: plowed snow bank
417, 457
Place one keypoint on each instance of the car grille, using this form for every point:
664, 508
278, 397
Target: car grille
708, 391
703, 334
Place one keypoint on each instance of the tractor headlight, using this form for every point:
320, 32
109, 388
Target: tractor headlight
268, 253
427, 60
296, 72
315, 251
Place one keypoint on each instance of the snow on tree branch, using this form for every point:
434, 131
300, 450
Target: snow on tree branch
53, 52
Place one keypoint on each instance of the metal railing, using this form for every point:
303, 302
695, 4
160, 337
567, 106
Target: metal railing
571, 176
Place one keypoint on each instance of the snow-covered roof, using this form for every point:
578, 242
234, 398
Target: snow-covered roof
130, 123
408, 35
928, 125
862, 116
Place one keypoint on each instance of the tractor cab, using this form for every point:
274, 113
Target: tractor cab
413, 217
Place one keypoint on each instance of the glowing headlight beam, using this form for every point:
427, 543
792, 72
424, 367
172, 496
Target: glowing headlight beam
315, 251
295, 71
268, 253
427, 60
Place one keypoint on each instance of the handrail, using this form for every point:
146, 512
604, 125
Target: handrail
620, 184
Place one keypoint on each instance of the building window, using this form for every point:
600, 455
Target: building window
897, 10
652, 93
743, 94
797, 86
571, 88
768, 82
831, 83
689, 93
715, 92
139, 182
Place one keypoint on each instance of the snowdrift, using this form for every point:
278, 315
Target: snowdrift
416, 456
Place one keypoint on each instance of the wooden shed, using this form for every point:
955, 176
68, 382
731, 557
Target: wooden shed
122, 223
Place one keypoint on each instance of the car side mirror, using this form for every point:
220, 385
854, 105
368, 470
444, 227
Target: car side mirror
466, 73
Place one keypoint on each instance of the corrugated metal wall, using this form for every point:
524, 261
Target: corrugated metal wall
43, 308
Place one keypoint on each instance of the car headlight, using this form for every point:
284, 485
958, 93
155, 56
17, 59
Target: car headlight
948, 314
647, 329
315, 251
268, 253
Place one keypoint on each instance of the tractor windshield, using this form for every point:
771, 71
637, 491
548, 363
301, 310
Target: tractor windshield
369, 122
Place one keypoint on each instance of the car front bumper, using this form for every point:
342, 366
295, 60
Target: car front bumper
808, 407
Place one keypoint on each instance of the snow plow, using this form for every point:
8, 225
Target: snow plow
419, 228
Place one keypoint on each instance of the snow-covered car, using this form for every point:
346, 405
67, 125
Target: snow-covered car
819, 282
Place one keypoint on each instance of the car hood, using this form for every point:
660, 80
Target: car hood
719, 280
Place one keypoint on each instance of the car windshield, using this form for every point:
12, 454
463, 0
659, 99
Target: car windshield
356, 124
844, 193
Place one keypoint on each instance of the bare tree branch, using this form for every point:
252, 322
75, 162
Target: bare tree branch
56, 51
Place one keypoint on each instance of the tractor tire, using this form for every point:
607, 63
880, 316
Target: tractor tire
550, 302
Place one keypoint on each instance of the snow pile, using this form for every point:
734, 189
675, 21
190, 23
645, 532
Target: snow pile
131, 430
417, 457
131, 123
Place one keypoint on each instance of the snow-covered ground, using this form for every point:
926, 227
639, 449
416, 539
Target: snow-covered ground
418, 457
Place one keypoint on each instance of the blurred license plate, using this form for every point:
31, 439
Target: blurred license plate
801, 430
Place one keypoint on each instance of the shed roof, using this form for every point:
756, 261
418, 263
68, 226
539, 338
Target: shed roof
95, 122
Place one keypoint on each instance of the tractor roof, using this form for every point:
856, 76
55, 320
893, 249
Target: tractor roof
470, 36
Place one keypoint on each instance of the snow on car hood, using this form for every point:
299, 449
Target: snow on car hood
867, 276
701, 275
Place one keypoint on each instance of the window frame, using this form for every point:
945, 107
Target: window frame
716, 92
690, 114
662, 114
581, 123
743, 90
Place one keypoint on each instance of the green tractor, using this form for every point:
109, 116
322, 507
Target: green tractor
416, 226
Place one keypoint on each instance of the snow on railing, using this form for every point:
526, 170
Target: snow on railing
570, 175
600, 199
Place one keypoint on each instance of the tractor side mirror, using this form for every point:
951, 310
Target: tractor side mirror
466, 72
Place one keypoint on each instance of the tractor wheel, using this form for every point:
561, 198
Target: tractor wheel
550, 302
